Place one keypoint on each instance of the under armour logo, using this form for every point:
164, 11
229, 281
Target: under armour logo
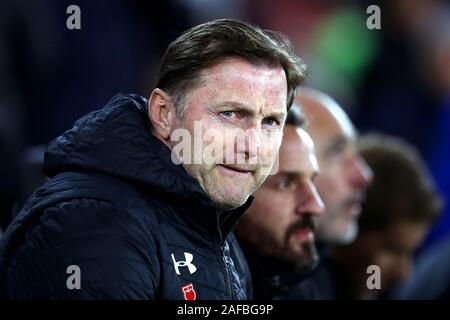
187, 263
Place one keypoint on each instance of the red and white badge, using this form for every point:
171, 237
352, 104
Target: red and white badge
189, 292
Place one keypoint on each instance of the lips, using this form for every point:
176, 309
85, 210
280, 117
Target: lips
354, 207
239, 169
303, 229
304, 234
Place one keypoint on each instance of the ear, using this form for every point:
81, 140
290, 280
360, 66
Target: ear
162, 113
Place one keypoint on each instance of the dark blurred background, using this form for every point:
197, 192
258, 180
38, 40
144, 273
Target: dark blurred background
394, 80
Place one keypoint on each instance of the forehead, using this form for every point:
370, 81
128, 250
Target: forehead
326, 120
239, 80
297, 151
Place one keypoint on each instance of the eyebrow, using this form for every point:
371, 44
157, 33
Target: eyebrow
336, 143
295, 174
243, 107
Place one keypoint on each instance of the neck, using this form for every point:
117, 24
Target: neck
271, 276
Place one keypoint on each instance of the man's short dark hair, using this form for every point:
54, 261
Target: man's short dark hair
402, 189
210, 43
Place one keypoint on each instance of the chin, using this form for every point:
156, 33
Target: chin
230, 203
350, 234
306, 264
306, 260
343, 234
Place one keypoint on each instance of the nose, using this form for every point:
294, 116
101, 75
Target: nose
249, 142
360, 173
309, 201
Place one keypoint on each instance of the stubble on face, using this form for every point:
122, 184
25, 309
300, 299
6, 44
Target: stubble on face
260, 91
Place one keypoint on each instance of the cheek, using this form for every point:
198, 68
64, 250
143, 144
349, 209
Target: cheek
270, 145
330, 182
272, 207
325, 187
260, 203
214, 135
273, 221
267, 202
385, 260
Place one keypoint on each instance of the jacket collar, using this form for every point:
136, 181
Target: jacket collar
271, 277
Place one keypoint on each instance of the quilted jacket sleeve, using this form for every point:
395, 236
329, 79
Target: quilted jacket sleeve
85, 249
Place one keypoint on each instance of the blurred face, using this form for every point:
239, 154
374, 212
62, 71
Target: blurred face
396, 251
238, 111
391, 249
282, 219
344, 175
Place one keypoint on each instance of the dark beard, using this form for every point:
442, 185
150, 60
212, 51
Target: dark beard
310, 257
309, 260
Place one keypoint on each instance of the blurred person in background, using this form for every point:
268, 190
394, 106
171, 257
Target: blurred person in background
430, 279
342, 182
277, 232
435, 67
400, 206
344, 175
408, 86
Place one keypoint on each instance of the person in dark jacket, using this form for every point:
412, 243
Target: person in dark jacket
127, 214
277, 231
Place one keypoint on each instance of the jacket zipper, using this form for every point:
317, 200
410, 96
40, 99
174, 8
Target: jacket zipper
227, 272
225, 263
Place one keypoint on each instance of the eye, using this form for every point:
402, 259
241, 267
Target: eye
271, 122
338, 150
336, 153
283, 183
228, 114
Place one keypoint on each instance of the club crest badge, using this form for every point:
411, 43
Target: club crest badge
189, 292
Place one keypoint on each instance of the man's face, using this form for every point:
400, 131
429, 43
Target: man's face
281, 221
240, 109
392, 250
344, 175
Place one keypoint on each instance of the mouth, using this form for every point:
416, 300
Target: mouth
354, 207
304, 234
233, 169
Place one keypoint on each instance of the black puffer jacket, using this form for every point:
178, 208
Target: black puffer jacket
136, 225
275, 279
